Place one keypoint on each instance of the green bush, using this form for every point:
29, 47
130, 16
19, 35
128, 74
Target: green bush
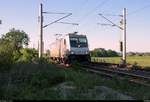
10, 45
27, 55
101, 52
26, 81
6, 55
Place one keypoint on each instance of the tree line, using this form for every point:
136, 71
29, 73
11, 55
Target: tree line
101, 52
138, 53
12, 48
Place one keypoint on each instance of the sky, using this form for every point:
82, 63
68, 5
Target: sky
23, 15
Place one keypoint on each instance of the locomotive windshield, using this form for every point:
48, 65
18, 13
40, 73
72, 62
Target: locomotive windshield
74, 42
78, 42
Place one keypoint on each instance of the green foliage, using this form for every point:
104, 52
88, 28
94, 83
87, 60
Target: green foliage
46, 82
103, 53
112, 53
6, 54
25, 55
27, 81
17, 38
10, 45
138, 53
47, 54
28, 55
16, 56
43, 60
46, 57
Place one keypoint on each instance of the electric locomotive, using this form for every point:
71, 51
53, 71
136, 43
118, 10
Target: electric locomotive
69, 48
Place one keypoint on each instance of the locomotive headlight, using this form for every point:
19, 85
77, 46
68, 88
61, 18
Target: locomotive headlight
86, 52
72, 52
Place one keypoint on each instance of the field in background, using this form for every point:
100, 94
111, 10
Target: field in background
143, 61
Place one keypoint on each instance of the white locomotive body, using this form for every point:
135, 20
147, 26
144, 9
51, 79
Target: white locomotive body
69, 48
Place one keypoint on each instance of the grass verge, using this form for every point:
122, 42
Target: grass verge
49, 82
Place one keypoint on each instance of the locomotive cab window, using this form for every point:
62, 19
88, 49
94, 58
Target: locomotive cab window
76, 42
73, 42
83, 42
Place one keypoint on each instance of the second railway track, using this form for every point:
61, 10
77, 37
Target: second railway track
105, 70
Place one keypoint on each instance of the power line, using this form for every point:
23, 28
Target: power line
89, 13
112, 23
79, 10
83, 4
68, 23
112, 15
41, 26
92, 11
81, 7
54, 13
122, 26
138, 10
58, 20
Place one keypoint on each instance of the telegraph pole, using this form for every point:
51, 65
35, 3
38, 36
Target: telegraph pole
123, 28
41, 30
41, 26
124, 36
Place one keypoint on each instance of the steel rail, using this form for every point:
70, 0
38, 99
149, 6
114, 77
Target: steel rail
111, 66
110, 73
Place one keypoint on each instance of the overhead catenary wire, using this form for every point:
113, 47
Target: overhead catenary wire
139, 10
82, 5
93, 10
41, 44
54, 13
68, 23
112, 15
123, 28
58, 20
84, 18
113, 24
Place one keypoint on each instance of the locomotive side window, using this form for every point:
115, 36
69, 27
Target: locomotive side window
64, 41
80, 41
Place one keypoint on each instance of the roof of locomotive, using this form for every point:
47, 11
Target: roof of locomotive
76, 35
70, 35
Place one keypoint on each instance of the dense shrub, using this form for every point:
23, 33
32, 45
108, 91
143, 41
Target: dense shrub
10, 45
26, 81
6, 54
28, 55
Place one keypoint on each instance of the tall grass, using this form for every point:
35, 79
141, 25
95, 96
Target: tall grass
25, 80
49, 82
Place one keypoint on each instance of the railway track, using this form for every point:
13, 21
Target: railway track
145, 70
107, 71
128, 69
